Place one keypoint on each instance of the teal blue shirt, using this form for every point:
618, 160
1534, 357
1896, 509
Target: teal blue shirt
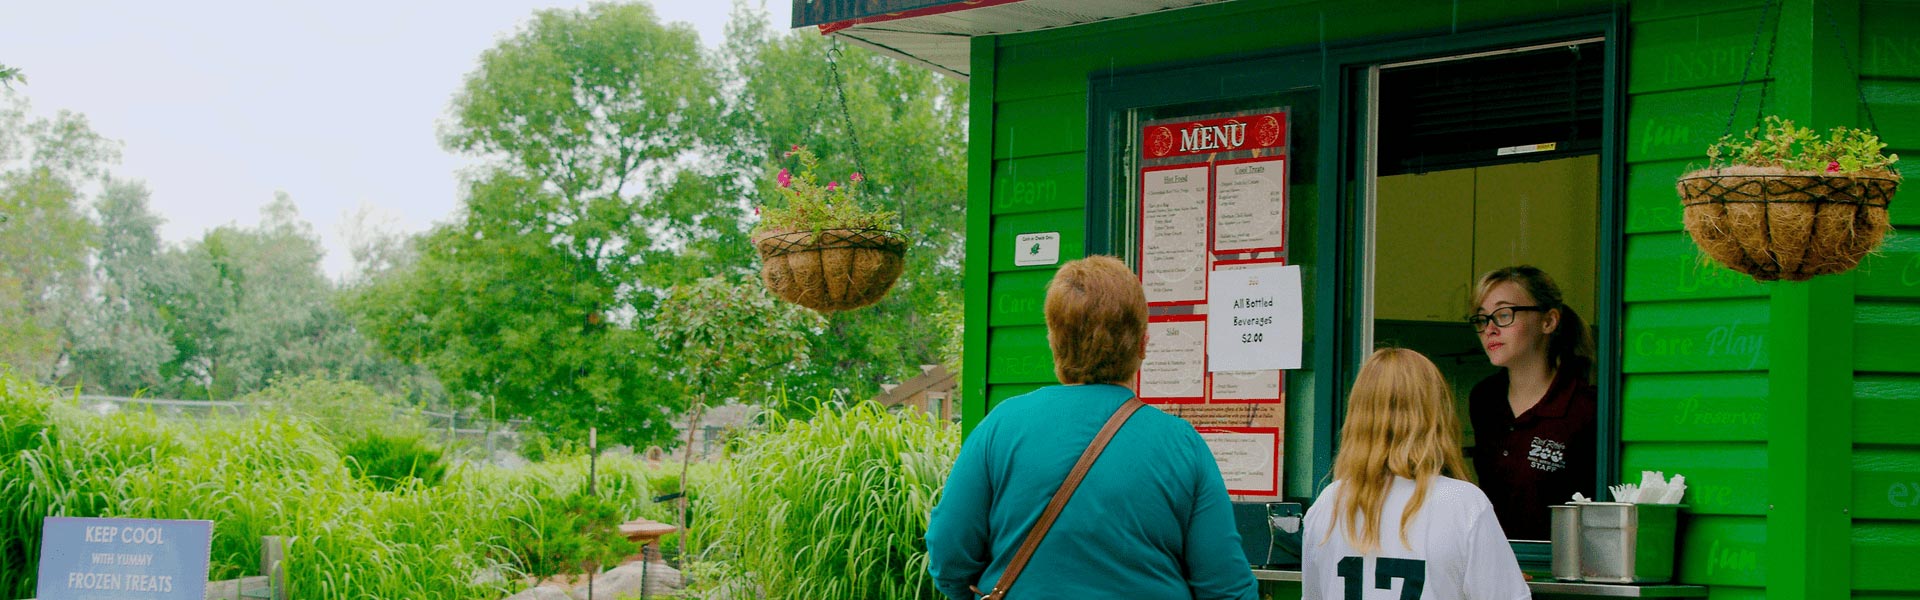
1152, 519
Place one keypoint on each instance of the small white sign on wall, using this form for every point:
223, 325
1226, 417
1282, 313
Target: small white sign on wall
1036, 249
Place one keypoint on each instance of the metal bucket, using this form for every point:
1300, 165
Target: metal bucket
1566, 542
1623, 543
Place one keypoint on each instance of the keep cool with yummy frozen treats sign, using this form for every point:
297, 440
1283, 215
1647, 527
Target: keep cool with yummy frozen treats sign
1212, 202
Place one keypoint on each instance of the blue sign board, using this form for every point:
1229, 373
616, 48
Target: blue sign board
102, 559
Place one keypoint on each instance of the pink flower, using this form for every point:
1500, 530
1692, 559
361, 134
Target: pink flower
831, 185
855, 177
1833, 167
785, 178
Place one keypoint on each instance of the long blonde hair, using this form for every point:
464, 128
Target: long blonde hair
1400, 423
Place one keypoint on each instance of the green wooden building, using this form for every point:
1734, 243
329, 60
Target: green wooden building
1425, 141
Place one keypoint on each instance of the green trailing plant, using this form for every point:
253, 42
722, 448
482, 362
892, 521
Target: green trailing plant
830, 508
1779, 143
812, 206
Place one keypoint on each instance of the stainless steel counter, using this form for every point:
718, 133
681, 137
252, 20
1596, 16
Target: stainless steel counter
1557, 588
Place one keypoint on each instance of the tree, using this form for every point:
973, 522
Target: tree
910, 125
733, 340
44, 166
538, 294
245, 306
120, 341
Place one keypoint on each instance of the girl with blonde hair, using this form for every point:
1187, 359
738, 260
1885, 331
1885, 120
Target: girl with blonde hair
1534, 420
1398, 520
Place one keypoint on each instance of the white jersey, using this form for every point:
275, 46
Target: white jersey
1458, 551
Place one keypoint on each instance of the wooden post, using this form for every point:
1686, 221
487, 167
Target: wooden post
273, 554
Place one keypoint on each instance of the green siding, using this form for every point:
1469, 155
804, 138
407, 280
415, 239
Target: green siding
1894, 272
1019, 296
1709, 407
1040, 183
1886, 409
1716, 335
1040, 126
1720, 476
1697, 51
1884, 336
1886, 388
1667, 266
1883, 554
1886, 484
1701, 388
1717, 551
1020, 355
1653, 204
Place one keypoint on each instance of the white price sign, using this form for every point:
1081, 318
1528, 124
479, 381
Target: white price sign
1254, 319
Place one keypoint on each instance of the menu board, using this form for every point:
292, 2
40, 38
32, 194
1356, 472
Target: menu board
1249, 457
1175, 371
1250, 205
1213, 197
1173, 234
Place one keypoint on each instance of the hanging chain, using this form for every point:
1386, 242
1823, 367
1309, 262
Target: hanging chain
846, 116
1846, 55
1753, 50
1858, 87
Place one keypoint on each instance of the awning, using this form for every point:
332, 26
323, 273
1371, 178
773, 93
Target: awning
937, 33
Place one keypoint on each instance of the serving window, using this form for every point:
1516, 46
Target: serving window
1477, 162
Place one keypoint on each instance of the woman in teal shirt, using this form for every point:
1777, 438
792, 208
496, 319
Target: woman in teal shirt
1152, 519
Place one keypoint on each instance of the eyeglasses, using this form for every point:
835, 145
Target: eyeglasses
1500, 317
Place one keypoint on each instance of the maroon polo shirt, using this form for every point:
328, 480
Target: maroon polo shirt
1537, 459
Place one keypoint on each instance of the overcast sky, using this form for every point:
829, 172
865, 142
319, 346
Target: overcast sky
220, 104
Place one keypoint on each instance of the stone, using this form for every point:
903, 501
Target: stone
625, 581
541, 592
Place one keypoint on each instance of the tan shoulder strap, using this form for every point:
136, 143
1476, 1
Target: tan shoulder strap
1060, 498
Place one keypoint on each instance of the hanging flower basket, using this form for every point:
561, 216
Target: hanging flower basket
1784, 202
833, 269
823, 249
1773, 223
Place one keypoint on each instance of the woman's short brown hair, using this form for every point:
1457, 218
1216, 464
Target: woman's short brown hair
1096, 321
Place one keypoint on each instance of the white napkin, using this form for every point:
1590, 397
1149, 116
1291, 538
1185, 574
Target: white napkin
1653, 487
1676, 489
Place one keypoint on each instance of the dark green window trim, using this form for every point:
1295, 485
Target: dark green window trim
1114, 91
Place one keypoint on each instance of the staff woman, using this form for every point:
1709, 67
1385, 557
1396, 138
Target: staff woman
1398, 521
1151, 520
1533, 422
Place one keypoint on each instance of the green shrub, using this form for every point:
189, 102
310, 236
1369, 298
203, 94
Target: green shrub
391, 460
340, 409
834, 507
274, 474
552, 537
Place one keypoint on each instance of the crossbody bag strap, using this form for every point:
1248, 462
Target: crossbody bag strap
1060, 498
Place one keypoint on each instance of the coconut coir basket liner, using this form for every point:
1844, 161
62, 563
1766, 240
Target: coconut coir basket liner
839, 269
1774, 224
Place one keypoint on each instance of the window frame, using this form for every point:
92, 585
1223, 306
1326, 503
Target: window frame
1340, 72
